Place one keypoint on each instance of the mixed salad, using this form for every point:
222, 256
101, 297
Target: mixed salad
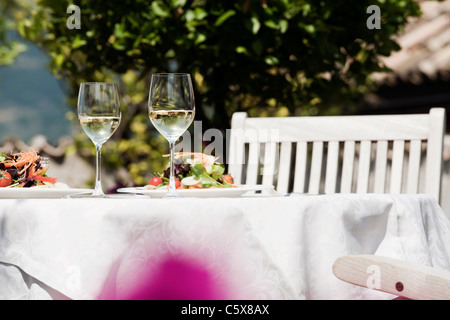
23, 170
193, 171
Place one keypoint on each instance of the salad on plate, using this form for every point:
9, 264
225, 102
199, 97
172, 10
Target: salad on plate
194, 171
24, 169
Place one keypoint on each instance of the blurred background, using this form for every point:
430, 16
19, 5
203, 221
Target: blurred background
269, 58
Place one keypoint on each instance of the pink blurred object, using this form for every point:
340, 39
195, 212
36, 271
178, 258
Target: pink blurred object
174, 279
178, 280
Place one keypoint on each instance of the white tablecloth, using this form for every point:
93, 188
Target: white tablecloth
256, 247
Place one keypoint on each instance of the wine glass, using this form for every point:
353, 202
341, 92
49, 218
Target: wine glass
99, 116
171, 109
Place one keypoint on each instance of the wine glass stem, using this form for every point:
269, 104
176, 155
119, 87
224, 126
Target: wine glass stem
172, 188
98, 172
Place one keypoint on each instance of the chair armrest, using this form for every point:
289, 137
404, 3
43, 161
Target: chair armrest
394, 276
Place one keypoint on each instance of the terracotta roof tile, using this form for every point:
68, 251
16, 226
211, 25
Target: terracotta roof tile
425, 46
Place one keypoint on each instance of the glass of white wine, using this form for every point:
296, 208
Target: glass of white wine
171, 109
99, 115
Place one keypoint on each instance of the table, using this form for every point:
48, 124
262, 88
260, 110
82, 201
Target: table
254, 247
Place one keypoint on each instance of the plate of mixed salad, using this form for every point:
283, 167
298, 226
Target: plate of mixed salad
196, 175
24, 175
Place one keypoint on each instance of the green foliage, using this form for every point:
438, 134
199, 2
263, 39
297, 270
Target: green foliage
9, 50
277, 57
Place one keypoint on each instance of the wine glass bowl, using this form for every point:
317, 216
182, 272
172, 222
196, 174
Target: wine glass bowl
171, 109
99, 115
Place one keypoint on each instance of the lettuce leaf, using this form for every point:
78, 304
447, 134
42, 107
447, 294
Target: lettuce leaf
217, 171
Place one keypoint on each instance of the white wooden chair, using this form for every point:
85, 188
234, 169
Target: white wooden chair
393, 276
340, 154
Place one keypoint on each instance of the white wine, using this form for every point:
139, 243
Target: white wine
99, 129
171, 123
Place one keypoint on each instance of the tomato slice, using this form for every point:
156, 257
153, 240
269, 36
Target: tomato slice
156, 181
5, 179
44, 179
226, 178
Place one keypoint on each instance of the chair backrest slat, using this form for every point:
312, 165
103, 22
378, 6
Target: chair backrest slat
364, 167
380, 166
270, 163
300, 167
284, 168
332, 167
415, 150
397, 166
316, 167
237, 142
347, 166
253, 162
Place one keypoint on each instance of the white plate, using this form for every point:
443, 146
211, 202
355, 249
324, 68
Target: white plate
197, 193
37, 192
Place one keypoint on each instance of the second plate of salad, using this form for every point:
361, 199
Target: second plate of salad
197, 175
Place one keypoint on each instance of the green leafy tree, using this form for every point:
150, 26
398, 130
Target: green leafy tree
280, 57
9, 50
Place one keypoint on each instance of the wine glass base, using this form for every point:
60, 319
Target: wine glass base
171, 195
84, 195
89, 195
